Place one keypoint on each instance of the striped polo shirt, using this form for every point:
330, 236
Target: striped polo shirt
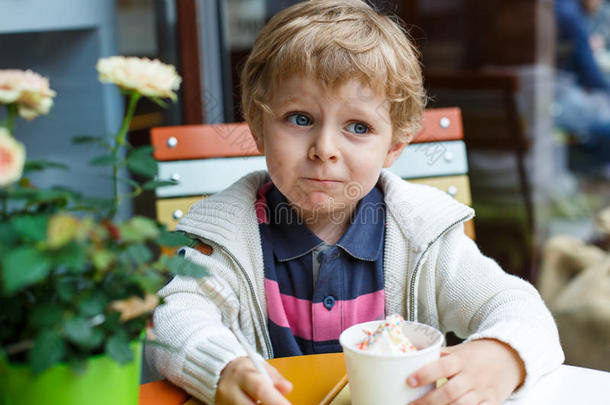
315, 290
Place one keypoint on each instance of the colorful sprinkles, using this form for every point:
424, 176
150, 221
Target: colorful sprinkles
392, 332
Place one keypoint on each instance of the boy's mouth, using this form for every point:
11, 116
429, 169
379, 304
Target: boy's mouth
322, 181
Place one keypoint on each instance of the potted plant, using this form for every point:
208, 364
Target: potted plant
77, 286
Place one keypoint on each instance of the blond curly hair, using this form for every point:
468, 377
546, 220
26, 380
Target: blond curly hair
335, 41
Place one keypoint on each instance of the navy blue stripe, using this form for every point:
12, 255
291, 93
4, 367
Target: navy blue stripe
285, 344
296, 279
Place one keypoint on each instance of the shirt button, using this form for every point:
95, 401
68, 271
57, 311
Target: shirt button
329, 302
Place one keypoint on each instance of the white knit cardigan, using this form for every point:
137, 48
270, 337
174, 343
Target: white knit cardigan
433, 272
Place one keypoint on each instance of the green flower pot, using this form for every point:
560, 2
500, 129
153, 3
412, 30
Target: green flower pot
104, 382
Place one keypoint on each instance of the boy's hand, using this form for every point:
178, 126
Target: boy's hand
240, 383
484, 371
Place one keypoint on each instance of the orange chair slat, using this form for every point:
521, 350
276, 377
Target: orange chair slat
161, 393
202, 141
440, 124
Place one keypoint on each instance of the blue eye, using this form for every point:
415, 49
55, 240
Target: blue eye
358, 128
301, 120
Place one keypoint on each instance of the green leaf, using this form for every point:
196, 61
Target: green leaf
146, 150
117, 347
66, 290
174, 239
102, 259
8, 237
128, 181
49, 348
139, 253
73, 256
39, 165
80, 332
179, 266
95, 204
140, 161
153, 184
139, 229
22, 193
37, 196
69, 191
151, 281
59, 198
84, 139
24, 266
93, 305
31, 227
61, 230
113, 321
103, 160
124, 180
46, 315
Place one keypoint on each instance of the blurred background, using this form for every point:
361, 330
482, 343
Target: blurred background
530, 77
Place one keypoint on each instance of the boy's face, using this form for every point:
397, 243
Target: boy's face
325, 149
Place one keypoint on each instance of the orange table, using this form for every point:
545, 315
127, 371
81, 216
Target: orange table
315, 378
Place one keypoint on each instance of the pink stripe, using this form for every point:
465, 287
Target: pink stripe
367, 307
282, 308
328, 325
295, 313
275, 309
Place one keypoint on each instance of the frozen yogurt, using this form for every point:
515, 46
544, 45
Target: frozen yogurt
387, 338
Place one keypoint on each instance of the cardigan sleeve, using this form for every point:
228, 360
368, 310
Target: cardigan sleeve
190, 323
476, 299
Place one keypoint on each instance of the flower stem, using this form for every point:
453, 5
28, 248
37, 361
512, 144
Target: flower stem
4, 204
119, 142
10, 118
10, 125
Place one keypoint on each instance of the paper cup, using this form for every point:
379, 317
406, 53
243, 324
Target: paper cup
382, 378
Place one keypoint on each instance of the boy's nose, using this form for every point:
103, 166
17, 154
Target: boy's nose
324, 146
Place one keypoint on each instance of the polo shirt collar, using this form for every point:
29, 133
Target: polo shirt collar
364, 238
292, 239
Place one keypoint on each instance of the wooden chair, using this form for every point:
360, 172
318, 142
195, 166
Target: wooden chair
205, 159
495, 132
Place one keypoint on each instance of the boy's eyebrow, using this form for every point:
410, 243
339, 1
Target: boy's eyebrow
368, 113
289, 100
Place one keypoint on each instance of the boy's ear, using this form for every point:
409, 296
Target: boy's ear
395, 151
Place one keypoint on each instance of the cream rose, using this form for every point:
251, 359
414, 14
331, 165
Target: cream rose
12, 158
29, 90
149, 77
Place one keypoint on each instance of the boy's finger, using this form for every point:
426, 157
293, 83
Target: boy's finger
447, 350
241, 398
262, 392
282, 384
445, 367
449, 393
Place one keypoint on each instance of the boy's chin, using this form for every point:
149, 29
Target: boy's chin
324, 209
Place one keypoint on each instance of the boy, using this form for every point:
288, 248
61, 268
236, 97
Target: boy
332, 92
